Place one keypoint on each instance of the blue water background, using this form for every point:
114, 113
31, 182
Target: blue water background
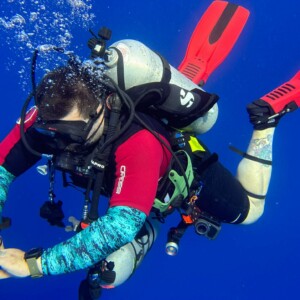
260, 261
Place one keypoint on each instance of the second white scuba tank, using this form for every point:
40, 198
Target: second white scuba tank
131, 64
128, 258
141, 65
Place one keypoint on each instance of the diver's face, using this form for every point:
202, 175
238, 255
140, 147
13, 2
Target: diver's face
97, 128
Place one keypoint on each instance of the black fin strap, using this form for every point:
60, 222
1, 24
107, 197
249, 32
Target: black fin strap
251, 157
120, 69
260, 197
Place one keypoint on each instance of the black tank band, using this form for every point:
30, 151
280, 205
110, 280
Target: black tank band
166, 76
120, 68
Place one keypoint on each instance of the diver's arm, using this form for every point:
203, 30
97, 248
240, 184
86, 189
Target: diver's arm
118, 227
5, 180
110, 232
15, 159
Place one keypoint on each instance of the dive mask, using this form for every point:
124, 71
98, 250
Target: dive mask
61, 134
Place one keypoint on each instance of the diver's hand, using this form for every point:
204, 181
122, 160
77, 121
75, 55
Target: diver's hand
12, 263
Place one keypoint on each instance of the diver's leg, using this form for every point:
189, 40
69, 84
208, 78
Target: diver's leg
254, 171
255, 175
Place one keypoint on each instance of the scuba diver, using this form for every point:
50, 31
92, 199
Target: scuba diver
129, 133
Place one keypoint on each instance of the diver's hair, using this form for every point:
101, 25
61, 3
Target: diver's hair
65, 88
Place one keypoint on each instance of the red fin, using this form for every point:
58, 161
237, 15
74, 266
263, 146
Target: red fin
286, 94
212, 40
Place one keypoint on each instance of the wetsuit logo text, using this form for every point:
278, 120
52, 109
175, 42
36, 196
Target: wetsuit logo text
121, 179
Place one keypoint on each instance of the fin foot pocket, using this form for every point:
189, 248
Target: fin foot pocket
268, 110
288, 94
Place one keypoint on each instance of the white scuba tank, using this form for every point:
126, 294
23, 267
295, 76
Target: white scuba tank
141, 65
130, 256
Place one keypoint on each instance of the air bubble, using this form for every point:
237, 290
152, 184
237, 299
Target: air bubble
33, 16
42, 24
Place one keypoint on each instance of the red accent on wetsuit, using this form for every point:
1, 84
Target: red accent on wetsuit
140, 162
14, 135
